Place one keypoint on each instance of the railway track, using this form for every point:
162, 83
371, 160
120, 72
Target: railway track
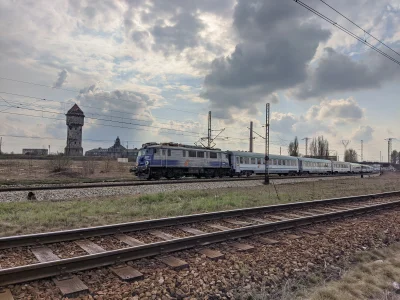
146, 183
155, 237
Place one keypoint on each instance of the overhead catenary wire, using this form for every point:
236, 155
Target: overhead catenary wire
360, 27
80, 104
322, 16
98, 96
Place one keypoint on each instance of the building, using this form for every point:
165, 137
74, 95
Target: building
36, 152
75, 121
116, 151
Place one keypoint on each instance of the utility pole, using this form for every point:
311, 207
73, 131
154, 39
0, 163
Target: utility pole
389, 147
251, 137
266, 158
209, 130
306, 139
49, 150
362, 150
1, 141
345, 144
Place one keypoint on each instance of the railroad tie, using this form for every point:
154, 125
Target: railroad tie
237, 222
212, 254
174, 263
242, 247
219, 227
127, 273
268, 241
163, 235
90, 247
257, 220
129, 240
191, 230
70, 286
44, 254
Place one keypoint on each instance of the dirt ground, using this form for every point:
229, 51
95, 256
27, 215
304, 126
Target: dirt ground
20, 171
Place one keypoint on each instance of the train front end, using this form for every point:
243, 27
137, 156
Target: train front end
143, 163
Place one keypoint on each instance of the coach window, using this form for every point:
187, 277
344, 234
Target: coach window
253, 161
163, 151
183, 153
259, 161
192, 153
237, 159
241, 160
213, 155
279, 162
200, 154
169, 152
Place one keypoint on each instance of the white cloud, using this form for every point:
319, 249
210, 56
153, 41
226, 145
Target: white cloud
363, 133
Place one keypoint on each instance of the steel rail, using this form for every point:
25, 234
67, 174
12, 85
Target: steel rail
143, 183
80, 233
86, 262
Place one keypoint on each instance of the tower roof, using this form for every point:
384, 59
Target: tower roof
75, 110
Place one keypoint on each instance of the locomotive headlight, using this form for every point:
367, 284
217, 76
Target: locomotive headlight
146, 163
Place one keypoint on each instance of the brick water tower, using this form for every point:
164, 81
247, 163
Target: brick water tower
75, 121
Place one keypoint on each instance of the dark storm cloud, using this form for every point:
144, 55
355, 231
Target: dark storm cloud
338, 72
183, 34
277, 43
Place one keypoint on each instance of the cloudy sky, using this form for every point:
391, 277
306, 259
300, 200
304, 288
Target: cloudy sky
150, 70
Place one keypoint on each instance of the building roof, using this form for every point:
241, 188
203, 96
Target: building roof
75, 110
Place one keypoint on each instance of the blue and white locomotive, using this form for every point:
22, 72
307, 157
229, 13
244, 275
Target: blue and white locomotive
172, 160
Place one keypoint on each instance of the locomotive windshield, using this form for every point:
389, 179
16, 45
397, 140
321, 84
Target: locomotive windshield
143, 152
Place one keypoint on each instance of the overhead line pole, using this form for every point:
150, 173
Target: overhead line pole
389, 147
209, 130
362, 150
251, 137
266, 158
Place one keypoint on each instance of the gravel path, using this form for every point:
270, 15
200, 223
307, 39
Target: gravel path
59, 195
239, 273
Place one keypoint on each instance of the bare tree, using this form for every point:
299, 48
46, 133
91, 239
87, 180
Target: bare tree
319, 147
293, 148
59, 163
350, 155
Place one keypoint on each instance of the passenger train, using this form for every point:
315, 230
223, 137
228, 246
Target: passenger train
172, 160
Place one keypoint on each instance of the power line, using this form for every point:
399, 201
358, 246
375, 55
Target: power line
100, 124
107, 120
81, 105
63, 139
97, 96
322, 16
365, 32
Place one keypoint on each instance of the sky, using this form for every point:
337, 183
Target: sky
151, 70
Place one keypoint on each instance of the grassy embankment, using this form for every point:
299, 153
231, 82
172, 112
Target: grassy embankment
29, 217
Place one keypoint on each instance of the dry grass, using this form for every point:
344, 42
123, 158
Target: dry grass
30, 171
370, 275
371, 278
28, 217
